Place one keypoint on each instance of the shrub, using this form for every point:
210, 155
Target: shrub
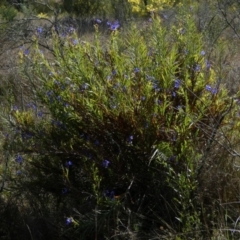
116, 137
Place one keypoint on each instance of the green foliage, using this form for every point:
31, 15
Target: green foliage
8, 13
117, 133
83, 8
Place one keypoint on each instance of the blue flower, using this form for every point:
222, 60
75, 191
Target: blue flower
19, 158
136, 70
40, 114
15, 108
65, 190
197, 68
71, 29
208, 65
69, 221
32, 105
211, 89
98, 21
130, 139
26, 52
105, 163
177, 83
75, 42
110, 194
39, 30
68, 164
113, 26
203, 53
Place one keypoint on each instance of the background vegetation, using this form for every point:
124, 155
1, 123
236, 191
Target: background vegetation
119, 120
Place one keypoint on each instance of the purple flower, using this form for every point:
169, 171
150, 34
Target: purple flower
197, 68
113, 26
203, 53
68, 164
40, 114
211, 89
172, 159
208, 65
69, 221
105, 163
136, 70
75, 42
208, 88
130, 139
26, 52
65, 190
39, 30
32, 105
98, 21
71, 29
15, 108
114, 72
177, 83
109, 194
19, 159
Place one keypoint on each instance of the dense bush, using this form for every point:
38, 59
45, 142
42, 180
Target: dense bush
118, 136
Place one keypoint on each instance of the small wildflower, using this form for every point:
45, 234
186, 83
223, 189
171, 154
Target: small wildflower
19, 158
113, 26
40, 114
172, 158
68, 164
177, 83
15, 108
174, 94
71, 29
114, 72
98, 21
6, 135
109, 194
197, 68
105, 163
26, 52
136, 70
39, 30
65, 190
203, 53
84, 86
208, 65
49, 94
75, 42
211, 89
130, 139
32, 105
69, 221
